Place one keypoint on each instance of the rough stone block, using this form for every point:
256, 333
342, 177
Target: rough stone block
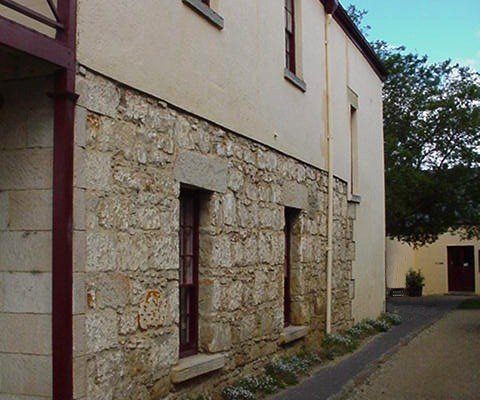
79, 251
201, 171
79, 335
25, 251
79, 294
26, 169
201, 364
215, 336
30, 210
80, 126
98, 170
79, 167
79, 377
26, 333
26, 374
39, 125
294, 195
293, 333
3, 210
102, 330
79, 205
98, 94
101, 252
23, 292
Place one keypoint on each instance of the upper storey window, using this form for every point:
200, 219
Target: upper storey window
206, 2
290, 35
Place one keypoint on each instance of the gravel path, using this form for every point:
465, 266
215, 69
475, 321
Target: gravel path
417, 313
443, 362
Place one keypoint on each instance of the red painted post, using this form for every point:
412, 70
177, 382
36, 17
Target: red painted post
62, 254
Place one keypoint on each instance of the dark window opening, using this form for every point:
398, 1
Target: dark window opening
189, 239
290, 35
206, 2
290, 215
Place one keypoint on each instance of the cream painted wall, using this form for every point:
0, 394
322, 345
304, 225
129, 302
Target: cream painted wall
432, 260
234, 77
369, 265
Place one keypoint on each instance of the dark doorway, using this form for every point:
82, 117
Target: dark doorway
461, 269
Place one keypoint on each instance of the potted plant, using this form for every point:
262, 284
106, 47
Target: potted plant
415, 282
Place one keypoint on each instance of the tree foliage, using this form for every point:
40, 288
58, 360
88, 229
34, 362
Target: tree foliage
432, 146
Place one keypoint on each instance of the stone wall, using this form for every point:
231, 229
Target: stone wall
26, 159
138, 151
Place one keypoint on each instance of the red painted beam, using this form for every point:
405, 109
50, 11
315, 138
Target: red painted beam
36, 44
21, 9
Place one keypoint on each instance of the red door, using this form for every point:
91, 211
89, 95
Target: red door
461, 269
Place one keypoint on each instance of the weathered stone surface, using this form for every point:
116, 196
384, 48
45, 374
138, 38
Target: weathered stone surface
25, 333
30, 210
25, 292
102, 330
293, 333
26, 169
25, 251
194, 366
3, 210
137, 157
20, 374
204, 172
295, 195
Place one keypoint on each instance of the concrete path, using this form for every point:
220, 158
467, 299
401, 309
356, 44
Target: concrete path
417, 313
442, 363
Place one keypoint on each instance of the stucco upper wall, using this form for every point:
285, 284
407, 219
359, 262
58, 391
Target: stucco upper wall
234, 76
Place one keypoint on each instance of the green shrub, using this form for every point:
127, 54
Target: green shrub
414, 280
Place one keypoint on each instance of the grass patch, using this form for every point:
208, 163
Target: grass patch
470, 304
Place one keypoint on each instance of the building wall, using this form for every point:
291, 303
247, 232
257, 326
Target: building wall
26, 155
432, 260
234, 77
138, 152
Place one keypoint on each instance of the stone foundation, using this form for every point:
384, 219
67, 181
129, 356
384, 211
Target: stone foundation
137, 153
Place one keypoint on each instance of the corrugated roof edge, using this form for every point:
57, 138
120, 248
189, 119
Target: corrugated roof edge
352, 31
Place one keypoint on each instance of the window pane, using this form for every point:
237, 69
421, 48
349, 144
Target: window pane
188, 237
184, 320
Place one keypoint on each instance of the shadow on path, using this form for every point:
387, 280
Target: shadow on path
417, 313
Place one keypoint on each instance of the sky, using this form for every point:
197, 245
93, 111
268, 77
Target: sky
441, 29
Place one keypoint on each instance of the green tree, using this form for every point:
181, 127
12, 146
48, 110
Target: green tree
432, 145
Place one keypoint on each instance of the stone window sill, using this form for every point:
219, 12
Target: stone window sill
206, 12
295, 80
293, 333
355, 199
200, 364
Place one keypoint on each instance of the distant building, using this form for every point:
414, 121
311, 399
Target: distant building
185, 187
450, 265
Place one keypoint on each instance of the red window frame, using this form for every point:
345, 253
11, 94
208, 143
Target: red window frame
287, 270
188, 274
290, 35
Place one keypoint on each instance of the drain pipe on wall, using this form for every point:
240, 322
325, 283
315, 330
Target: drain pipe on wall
330, 7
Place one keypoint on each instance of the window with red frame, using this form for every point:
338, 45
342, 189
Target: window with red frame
287, 300
290, 35
206, 2
189, 237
